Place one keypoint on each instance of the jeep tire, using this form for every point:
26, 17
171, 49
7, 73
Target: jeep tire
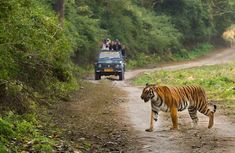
121, 75
97, 76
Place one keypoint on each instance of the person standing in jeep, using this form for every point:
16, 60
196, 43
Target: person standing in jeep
110, 62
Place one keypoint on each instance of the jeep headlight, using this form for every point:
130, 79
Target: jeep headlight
118, 66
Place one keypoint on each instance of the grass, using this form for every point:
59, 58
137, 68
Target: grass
200, 50
218, 81
142, 60
20, 133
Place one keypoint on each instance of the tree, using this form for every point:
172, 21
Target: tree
59, 8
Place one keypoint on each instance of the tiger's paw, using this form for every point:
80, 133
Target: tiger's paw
194, 126
211, 120
174, 128
149, 130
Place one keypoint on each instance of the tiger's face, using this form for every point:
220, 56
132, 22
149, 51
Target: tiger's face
147, 93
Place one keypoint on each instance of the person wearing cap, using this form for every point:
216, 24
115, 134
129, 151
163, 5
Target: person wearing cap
111, 46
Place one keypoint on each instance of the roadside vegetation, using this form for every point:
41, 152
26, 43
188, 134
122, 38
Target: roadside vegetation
21, 133
151, 30
143, 60
217, 80
35, 70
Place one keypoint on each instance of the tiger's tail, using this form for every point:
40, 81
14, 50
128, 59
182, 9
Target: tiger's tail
211, 116
212, 106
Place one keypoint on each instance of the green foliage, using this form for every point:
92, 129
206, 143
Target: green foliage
198, 20
6, 128
141, 30
199, 50
34, 54
222, 14
16, 130
143, 59
83, 30
217, 80
155, 28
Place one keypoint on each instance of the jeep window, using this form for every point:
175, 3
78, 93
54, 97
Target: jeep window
109, 55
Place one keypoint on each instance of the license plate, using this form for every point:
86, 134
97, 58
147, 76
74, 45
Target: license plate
108, 70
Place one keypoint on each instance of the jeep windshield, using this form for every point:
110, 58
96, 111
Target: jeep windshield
109, 55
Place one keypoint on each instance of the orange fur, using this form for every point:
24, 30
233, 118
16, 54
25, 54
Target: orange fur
176, 99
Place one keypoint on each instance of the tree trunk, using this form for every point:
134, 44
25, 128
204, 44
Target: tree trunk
59, 8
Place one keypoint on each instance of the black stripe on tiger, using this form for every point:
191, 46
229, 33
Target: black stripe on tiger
194, 98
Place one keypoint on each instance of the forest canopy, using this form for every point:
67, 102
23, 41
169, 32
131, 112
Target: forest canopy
147, 26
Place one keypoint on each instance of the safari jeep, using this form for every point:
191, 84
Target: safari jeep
109, 63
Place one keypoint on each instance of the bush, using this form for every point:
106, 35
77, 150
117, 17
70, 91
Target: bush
35, 54
201, 49
16, 130
142, 59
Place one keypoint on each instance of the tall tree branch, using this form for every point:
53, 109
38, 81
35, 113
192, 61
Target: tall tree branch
59, 8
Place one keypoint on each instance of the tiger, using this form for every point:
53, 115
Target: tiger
174, 99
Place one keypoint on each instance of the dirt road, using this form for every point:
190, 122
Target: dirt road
109, 116
221, 138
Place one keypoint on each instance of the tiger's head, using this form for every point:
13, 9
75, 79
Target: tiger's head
148, 92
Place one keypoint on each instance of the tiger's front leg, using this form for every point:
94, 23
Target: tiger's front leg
150, 129
174, 118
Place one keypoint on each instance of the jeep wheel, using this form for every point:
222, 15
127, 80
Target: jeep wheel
121, 76
97, 76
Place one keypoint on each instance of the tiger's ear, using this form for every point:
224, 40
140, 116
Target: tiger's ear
155, 86
147, 84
